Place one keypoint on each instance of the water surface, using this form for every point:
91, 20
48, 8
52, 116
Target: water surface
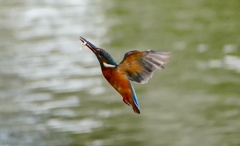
52, 94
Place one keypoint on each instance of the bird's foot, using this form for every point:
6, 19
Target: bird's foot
125, 100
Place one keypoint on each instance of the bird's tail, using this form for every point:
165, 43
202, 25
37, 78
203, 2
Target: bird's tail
134, 101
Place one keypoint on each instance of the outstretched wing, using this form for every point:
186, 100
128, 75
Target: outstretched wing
139, 66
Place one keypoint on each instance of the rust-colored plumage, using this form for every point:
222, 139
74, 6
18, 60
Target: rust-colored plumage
122, 85
137, 66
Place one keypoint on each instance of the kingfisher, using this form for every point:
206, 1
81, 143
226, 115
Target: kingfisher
136, 66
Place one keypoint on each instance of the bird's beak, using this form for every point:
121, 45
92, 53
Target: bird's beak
88, 44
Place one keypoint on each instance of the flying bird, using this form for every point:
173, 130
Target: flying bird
136, 66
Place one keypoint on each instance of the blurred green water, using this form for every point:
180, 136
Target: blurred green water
196, 101
52, 94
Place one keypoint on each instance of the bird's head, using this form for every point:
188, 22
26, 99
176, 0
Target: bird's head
103, 57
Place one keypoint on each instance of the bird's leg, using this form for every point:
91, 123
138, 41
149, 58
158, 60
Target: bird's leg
125, 100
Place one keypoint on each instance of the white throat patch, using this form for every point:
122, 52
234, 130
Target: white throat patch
109, 65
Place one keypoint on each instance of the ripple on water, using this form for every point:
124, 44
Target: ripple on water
230, 48
64, 113
179, 45
75, 126
63, 86
229, 62
232, 62
202, 48
96, 90
34, 97
45, 107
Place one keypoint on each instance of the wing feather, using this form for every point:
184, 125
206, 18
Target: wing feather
139, 66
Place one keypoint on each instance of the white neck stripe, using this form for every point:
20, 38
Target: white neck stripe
109, 65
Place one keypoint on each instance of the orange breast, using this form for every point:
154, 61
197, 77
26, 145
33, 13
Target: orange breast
118, 81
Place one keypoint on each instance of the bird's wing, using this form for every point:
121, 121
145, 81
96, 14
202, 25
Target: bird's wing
139, 66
